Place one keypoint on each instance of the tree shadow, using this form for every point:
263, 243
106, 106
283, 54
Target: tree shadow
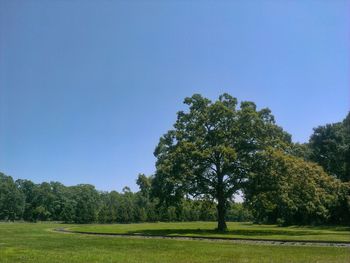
229, 233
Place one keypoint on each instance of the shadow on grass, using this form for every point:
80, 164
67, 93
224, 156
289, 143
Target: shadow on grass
327, 228
230, 233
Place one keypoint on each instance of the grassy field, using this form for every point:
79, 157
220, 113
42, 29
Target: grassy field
236, 230
24, 242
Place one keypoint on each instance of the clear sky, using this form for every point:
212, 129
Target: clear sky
88, 87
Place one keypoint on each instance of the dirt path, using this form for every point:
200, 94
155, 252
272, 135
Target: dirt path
217, 239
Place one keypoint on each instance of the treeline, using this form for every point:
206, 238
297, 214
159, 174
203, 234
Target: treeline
282, 182
24, 200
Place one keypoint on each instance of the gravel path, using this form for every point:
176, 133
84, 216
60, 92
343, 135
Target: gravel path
217, 239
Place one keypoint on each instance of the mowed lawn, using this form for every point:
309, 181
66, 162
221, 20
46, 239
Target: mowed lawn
236, 230
24, 242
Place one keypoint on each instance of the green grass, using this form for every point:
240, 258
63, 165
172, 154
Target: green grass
236, 230
24, 242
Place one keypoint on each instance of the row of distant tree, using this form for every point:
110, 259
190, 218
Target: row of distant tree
214, 151
24, 200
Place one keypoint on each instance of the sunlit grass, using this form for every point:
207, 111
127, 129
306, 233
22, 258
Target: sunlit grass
36, 243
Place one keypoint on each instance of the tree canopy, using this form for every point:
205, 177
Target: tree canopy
330, 147
208, 153
289, 190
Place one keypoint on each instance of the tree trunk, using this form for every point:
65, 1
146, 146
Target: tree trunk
221, 206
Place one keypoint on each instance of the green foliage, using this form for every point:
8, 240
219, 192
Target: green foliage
68, 214
340, 210
301, 150
209, 151
11, 199
87, 201
84, 204
288, 190
238, 212
145, 185
330, 147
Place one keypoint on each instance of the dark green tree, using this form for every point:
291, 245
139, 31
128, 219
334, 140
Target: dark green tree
145, 184
285, 189
68, 214
330, 147
87, 203
340, 210
59, 191
143, 203
238, 212
126, 206
346, 130
28, 189
43, 202
11, 199
109, 207
208, 153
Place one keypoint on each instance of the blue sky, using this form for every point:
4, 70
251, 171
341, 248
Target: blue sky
88, 87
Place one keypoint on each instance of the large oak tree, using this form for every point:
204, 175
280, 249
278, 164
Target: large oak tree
209, 151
